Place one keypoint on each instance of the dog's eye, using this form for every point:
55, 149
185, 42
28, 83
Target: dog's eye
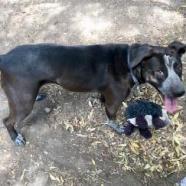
159, 74
179, 67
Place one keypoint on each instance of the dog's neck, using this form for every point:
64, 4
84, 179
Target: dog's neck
135, 74
133, 77
138, 75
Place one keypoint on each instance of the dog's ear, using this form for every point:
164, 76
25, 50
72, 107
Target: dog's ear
178, 47
139, 52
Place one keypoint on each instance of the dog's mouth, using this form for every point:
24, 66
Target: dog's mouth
170, 104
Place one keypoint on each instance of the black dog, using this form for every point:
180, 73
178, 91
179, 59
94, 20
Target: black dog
109, 69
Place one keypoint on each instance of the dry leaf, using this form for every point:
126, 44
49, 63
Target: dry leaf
93, 162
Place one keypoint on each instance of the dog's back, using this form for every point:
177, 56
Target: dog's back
77, 68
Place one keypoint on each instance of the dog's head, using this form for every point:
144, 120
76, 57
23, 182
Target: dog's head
162, 68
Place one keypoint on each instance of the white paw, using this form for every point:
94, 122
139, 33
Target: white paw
20, 140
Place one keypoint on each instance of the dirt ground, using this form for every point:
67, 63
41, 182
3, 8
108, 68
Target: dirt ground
67, 143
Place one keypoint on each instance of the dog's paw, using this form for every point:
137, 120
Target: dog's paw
40, 97
115, 126
20, 140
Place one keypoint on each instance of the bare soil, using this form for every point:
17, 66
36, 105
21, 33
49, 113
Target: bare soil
67, 143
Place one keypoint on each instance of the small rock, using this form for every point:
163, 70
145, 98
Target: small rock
45, 152
47, 110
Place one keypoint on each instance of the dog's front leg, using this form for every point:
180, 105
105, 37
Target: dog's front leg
113, 100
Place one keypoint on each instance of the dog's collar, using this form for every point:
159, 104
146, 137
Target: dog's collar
130, 68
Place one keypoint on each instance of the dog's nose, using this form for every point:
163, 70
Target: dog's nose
179, 93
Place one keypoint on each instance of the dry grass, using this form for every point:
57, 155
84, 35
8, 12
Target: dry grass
160, 156
163, 154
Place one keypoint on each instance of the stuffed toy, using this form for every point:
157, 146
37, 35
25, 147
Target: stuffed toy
142, 115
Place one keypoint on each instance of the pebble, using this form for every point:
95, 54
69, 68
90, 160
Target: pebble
47, 110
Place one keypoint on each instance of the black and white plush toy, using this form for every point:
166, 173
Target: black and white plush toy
142, 115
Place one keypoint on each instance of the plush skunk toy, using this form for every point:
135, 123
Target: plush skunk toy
142, 115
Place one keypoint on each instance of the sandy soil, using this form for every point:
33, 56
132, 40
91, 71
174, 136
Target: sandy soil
61, 131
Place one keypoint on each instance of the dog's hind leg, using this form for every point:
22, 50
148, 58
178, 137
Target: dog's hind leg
9, 124
21, 98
